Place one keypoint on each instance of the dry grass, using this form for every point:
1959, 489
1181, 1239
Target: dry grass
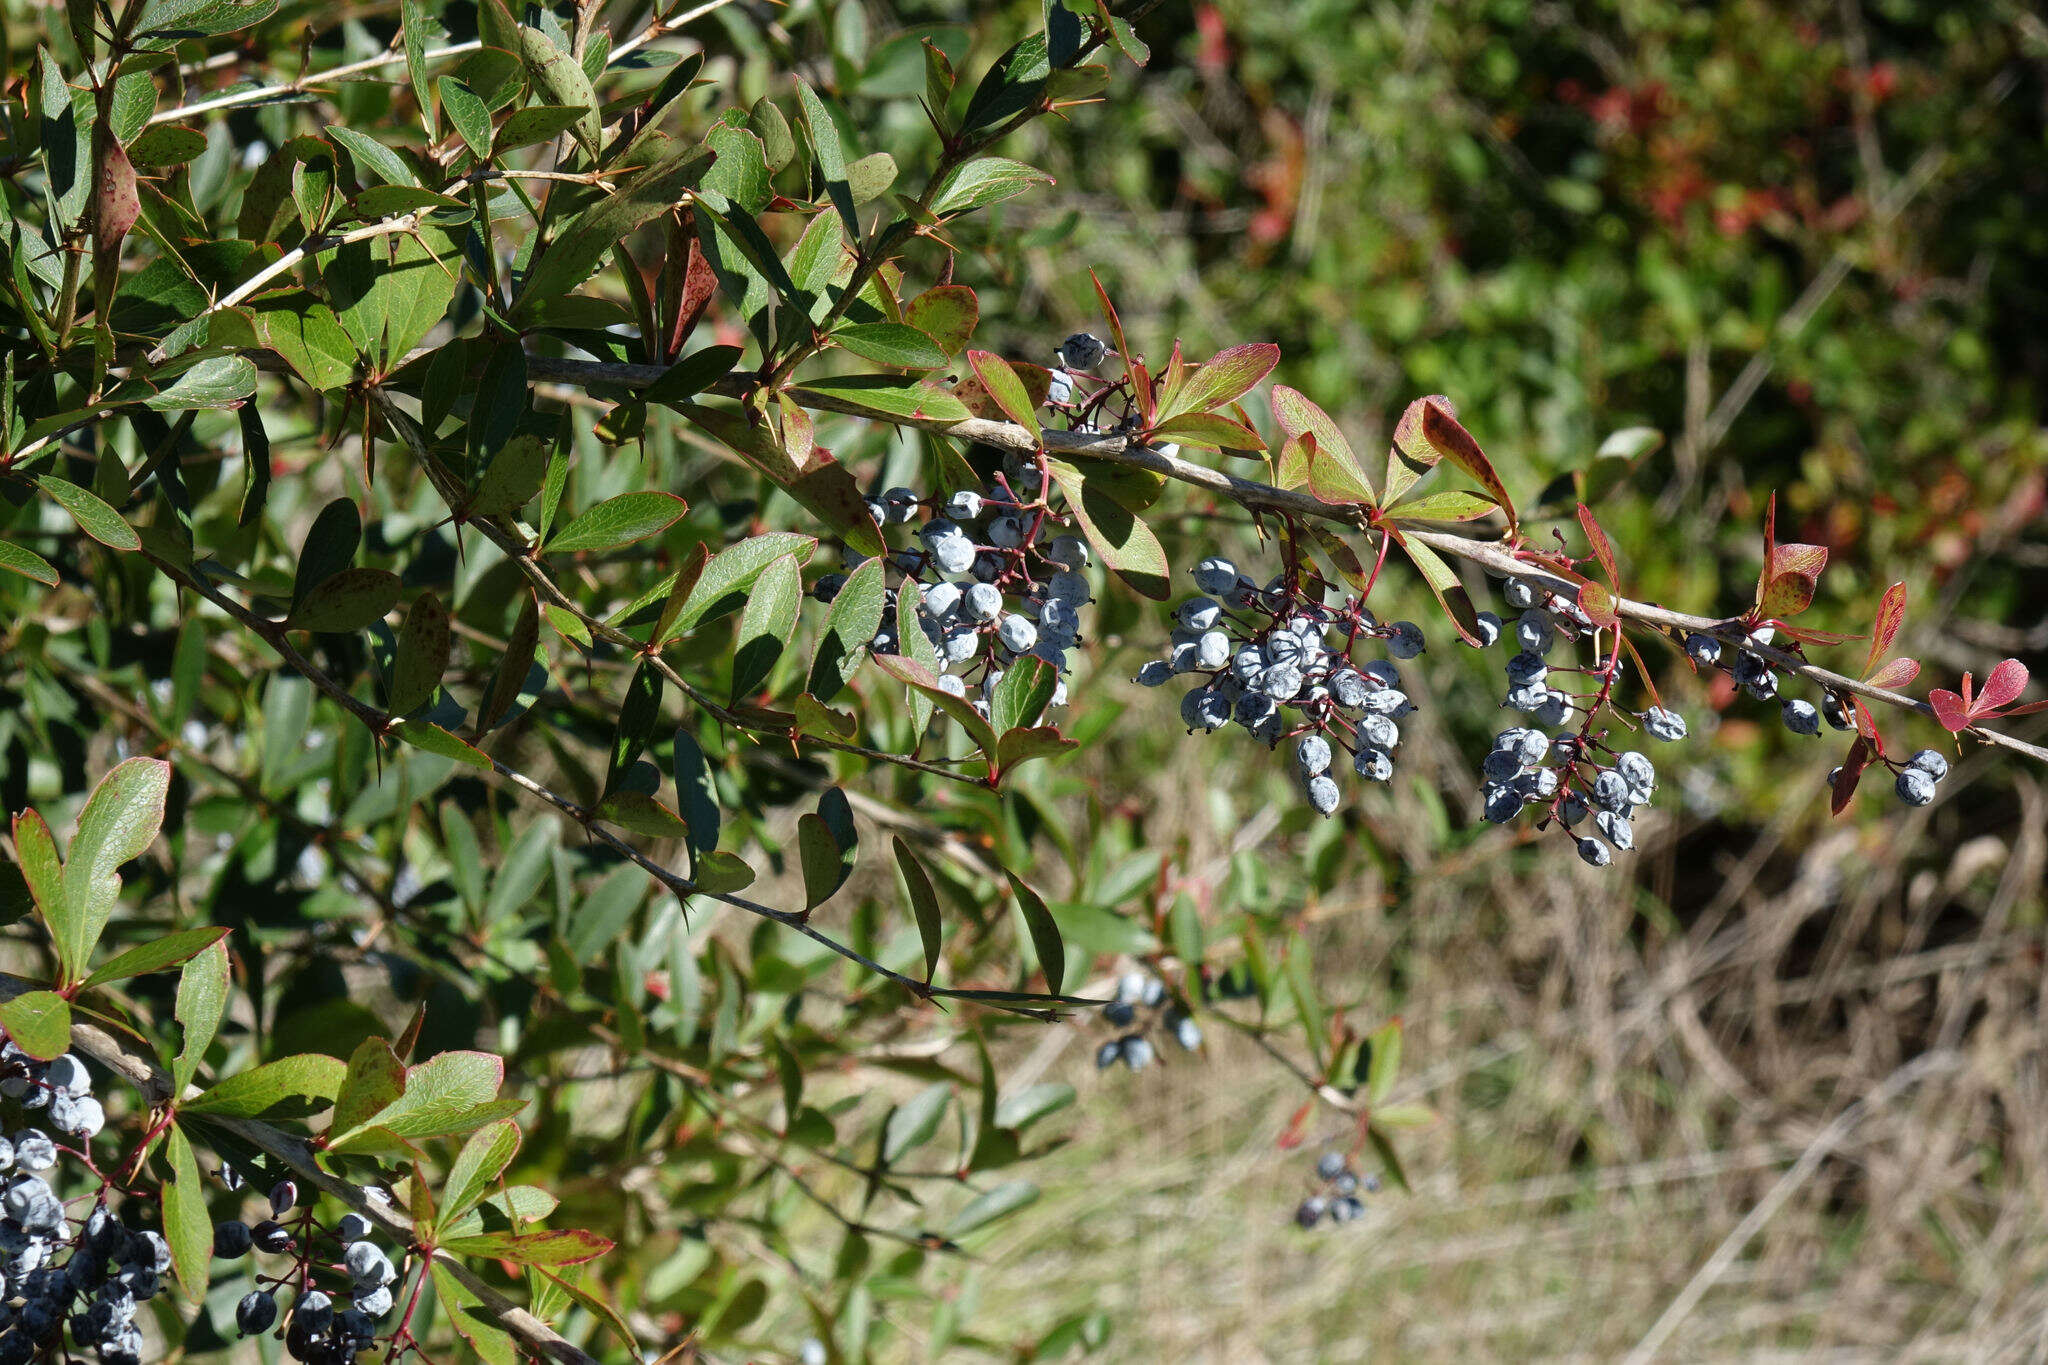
1779, 1094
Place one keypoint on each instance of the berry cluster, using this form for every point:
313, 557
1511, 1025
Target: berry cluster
991, 581
1281, 664
1336, 1199
317, 1330
1914, 779
1141, 1002
91, 1276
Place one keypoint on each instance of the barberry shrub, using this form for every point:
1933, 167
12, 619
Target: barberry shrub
506, 512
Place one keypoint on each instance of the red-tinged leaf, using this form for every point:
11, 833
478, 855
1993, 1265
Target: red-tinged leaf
1225, 377
2005, 684
946, 313
1443, 431
1950, 709
1126, 544
1211, 430
1851, 773
564, 1247
115, 204
1598, 604
1786, 595
1642, 669
1298, 416
1770, 532
1891, 614
2029, 709
1109, 317
814, 717
1021, 745
922, 680
1895, 674
1807, 560
1597, 538
1866, 725
1006, 389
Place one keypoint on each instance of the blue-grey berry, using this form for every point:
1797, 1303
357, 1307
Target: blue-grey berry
1330, 1165
1487, 628
964, 505
1406, 641
1503, 803
1083, 351
1323, 794
1615, 829
1374, 765
256, 1313
1930, 762
1215, 575
1108, 1054
231, 1239
1610, 791
1349, 687
1520, 593
1704, 649
1154, 673
1312, 755
1664, 724
1502, 765
1595, 853
1801, 717
1311, 1210
1637, 769
1137, 1053
1914, 786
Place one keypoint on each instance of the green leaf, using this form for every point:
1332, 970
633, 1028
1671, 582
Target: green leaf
1297, 416
992, 1204
374, 157
167, 144
919, 647
772, 127
311, 1079
887, 394
1045, 933
606, 911
221, 381
424, 643
93, 516
1003, 385
467, 111
414, 16
345, 602
39, 1022
914, 1122
854, 617
534, 123
924, 902
447, 1094
202, 1000
729, 573
741, 171
489, 1342
693, 374
29, 564
1014, 84
119, 822
696, 794
643, 814
329, 547
619, 521
984, 181
476, 1167
1019, 746
188, 1228
1450, 593
826, 862
831, 154
638, 713
308, 337
721, 872
431, 738
1122, 538
766, 624
508, 682
891, 343
1022, 694
1385, 1065
156, 955
561, 78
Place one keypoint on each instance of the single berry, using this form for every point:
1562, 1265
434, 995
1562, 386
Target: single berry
1930, 762
1914, 786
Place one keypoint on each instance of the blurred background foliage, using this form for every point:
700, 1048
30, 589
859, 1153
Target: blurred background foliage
1807, 243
